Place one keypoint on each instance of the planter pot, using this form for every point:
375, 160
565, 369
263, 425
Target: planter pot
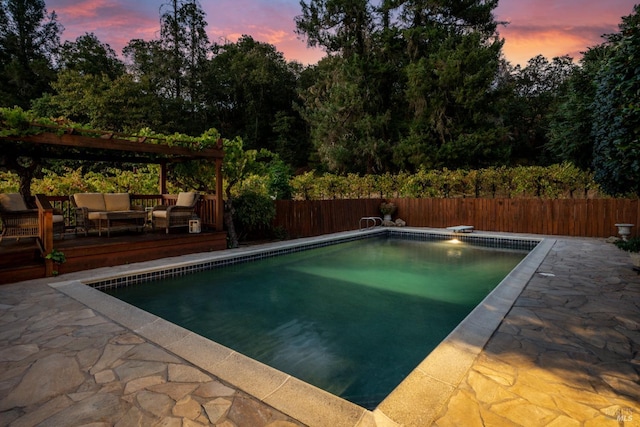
387, 217
624, 230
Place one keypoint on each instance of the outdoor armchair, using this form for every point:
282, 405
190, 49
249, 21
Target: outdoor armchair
20, 221
178, 215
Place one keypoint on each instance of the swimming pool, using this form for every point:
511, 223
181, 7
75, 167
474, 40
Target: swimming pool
353, 318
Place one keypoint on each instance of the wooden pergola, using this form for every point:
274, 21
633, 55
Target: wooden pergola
94, 145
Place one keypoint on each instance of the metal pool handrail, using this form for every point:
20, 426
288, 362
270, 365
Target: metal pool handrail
370, 222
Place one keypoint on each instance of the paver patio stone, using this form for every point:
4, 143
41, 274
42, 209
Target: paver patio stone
143, 383
132, 369
217, 408
564, 421
110, 354
486, 390
575, 410
187, 408
214, 389
18, 352
182, 373
521, 412
45, 379
97, 407
157, 404
176, 391
463, 411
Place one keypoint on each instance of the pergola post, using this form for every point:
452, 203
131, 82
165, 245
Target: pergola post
219, 198
46, 230
162, 184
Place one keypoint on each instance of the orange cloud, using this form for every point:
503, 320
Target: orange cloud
552, 28
521, 46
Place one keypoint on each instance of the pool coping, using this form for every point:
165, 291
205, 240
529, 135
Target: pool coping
416, 401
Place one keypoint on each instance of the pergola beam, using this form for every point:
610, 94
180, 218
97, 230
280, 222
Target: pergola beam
113, 144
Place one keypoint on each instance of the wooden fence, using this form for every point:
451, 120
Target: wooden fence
565, 217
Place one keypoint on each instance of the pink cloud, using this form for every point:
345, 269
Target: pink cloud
555, 28
548, 27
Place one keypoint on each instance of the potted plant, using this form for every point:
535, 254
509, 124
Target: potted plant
57, 257
631, 245
387, 209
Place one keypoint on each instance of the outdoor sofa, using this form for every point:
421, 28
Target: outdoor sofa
106, 211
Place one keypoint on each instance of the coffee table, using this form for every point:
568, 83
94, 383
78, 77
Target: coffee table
135, 218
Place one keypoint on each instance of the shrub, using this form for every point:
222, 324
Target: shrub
629, 245
253, 215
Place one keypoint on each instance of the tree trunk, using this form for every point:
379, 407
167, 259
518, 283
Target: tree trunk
228, 221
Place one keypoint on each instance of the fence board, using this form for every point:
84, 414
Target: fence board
568, 217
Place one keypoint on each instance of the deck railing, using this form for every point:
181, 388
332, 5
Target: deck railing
566, 217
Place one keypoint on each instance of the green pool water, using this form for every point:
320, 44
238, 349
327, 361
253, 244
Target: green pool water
353, 319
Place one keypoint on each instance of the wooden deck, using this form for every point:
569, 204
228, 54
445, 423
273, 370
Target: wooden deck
22, 260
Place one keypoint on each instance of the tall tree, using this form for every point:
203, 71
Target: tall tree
339, 26
350, 107
616, 108
569, 133
411, 84
29, 43
251, 90
453, 53
183, 35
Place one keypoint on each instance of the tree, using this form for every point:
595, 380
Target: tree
125, 103
251, 92
538, 90
569, 130
452, 116
88, 55
339, 26
408, 83
174, 65
616, 108
183, 35
348, 120
29, 43
350, 107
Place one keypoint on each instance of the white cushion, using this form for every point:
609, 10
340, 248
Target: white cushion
185, 198
91, 201
159, 214
95, 215
13, 202
117, 202
163, 214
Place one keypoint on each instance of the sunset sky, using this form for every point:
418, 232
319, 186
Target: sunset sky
548, 27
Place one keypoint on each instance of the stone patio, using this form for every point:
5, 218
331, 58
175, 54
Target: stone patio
565, 355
